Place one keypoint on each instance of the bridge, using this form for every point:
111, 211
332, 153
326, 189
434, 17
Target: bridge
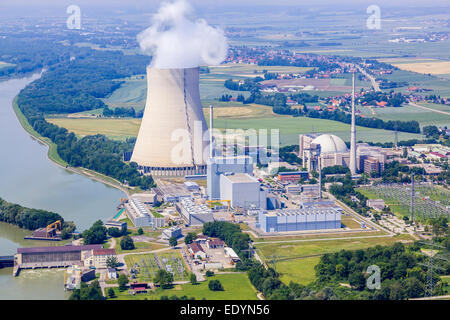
6, 261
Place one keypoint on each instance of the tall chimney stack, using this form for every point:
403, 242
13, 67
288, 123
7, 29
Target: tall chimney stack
353, 131
211, 128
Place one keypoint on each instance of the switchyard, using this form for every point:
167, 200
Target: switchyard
145, 266
424, 201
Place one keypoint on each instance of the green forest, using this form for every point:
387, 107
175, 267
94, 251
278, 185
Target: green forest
76, 85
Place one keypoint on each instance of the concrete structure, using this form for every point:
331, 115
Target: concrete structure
299, 219
294, 189
171, 137
121, 225
242, 190
112, 274
292, 176
215, 244
196, 250
221, 165
51, 257
331, 149
98, 258
172, 232
229, 252
173, 192
140, 215
377, 204
353, 132
149, 198
194, 214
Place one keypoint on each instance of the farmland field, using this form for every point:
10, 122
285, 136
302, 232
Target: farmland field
237, 286
238, 118
438, 85
408, 113
296, 260
431, 66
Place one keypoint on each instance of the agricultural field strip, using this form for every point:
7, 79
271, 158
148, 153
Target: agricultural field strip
429, 109
320, 239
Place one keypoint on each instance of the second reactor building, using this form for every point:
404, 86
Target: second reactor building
172, 139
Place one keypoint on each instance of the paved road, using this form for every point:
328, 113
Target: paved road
429, 109
375, 85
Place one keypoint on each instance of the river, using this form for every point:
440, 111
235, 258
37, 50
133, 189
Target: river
29, 178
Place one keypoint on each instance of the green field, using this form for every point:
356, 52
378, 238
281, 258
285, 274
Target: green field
139, 247
236, 287
438, 85
260, 117
408, 113
296, 260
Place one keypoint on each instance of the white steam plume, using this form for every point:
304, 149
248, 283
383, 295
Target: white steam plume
177, 42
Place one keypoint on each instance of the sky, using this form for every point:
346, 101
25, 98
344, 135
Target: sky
206, 8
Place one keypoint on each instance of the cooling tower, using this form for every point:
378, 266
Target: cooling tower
173, 136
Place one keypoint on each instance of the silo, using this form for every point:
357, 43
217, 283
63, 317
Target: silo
172, 139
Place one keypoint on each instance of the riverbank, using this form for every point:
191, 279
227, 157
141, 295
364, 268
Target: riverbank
53, 155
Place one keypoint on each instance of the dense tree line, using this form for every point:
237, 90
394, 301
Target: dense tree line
74, 87
391, 98
278, 102
401, 275
402, 143
121, 112
30, 55
97, 234
287, 154
314, 61
233, 236
30, 219
88, 292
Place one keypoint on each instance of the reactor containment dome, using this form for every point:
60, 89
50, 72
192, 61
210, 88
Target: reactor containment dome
173, 137
329, 143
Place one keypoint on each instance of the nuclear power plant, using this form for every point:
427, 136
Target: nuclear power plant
173, 136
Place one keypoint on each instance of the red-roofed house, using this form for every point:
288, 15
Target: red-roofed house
216, 244
436, 155
197, 251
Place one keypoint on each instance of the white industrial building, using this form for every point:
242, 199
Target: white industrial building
194, 214
139, 214
242, 190
223, 165
311, 218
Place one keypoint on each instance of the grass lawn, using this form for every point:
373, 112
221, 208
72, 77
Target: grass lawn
446, 280
409, 113
350, 222
296, 260
236, 287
